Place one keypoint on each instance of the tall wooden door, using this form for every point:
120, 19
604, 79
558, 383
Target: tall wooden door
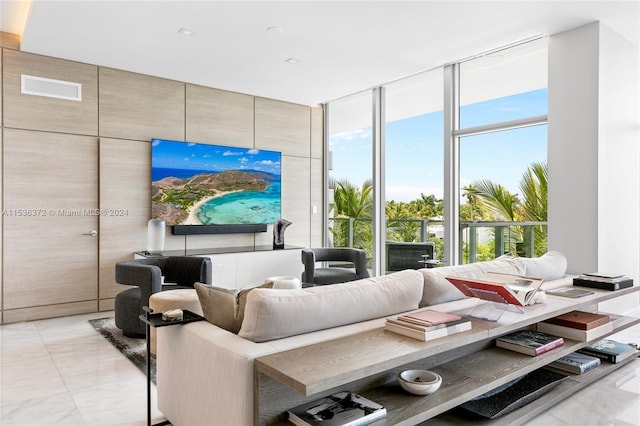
50, 225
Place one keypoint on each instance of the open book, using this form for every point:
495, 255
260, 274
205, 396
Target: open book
502, 288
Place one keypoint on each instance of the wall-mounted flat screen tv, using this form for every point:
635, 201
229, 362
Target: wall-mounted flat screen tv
202, 184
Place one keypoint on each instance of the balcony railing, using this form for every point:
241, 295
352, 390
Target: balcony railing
506, 236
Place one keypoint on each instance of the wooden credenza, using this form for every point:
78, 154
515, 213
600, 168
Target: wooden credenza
469, 363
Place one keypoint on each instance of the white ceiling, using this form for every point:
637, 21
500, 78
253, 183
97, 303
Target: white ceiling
341, 46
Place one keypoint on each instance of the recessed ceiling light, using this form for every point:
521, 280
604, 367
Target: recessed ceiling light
274, 29
186, 31
291, 60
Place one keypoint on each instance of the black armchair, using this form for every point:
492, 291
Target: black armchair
333, 275
146, 274
403, 255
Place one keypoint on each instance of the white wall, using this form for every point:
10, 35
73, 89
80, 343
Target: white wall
594, 181
573, 147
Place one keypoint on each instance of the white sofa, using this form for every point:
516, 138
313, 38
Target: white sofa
205, 372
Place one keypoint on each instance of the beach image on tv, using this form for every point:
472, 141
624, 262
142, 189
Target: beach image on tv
201, 184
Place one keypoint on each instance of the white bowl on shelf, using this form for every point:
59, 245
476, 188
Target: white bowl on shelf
419, 382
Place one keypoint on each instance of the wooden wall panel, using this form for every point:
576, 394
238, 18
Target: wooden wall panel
1, 216
283, 126
317, 133
1, 174
45, 113
296, 199
9, 40
125, 207
128, 109
317, 206
1, 60
140, 107
49, 311
219, 117
317, 175
50, 189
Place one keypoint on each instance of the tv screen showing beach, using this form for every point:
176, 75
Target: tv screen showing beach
201, 184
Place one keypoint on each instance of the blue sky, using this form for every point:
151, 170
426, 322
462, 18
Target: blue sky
414, 157
193, 156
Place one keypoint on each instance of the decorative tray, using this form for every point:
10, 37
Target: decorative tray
155, 319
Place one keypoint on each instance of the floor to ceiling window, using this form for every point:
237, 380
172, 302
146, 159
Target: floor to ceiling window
503, 151
414, 155
350, 162
500, 161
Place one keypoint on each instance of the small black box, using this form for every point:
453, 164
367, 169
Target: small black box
603, 285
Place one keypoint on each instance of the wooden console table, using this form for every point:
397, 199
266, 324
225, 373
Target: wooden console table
469, 363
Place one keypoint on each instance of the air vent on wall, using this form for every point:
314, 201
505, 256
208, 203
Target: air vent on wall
50, 88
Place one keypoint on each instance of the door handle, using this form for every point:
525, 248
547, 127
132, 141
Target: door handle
93, 233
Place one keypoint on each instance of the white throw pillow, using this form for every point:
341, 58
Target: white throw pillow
550, 266
271, 315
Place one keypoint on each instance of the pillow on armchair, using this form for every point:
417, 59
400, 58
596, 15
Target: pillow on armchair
223, 307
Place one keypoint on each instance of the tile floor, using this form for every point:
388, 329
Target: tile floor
62, 372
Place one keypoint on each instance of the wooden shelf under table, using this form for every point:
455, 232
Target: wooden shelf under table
369, 362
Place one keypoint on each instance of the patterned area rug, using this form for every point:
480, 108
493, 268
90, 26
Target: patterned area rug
134, 349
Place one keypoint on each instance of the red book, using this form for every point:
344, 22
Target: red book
502, 288
580, 320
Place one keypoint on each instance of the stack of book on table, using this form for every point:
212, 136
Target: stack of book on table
610, 350
603, 280
427, 324
576, 363
529, 342
339, 409
578, 325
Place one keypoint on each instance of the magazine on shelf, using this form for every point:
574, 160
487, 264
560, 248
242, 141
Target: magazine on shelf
604, 277
576, 363
496, 287
529, 342
339, 409
427, 333
571, 292
610, 350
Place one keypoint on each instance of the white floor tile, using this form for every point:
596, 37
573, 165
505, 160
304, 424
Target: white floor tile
62, 372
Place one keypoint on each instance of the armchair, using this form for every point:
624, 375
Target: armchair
333, 275
403, 255
146, 274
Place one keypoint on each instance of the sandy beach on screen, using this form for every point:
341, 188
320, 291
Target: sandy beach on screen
193, 219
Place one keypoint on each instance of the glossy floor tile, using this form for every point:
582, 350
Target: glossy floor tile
62, 372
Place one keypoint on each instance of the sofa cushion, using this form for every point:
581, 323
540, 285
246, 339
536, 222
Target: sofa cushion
438, 290
271, 315
223, 307
550, 266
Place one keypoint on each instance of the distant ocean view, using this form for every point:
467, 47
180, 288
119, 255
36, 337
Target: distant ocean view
158, 173
243, 207
248, 207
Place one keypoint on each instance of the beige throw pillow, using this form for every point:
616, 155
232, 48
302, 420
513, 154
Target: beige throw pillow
223, 307
276, 314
